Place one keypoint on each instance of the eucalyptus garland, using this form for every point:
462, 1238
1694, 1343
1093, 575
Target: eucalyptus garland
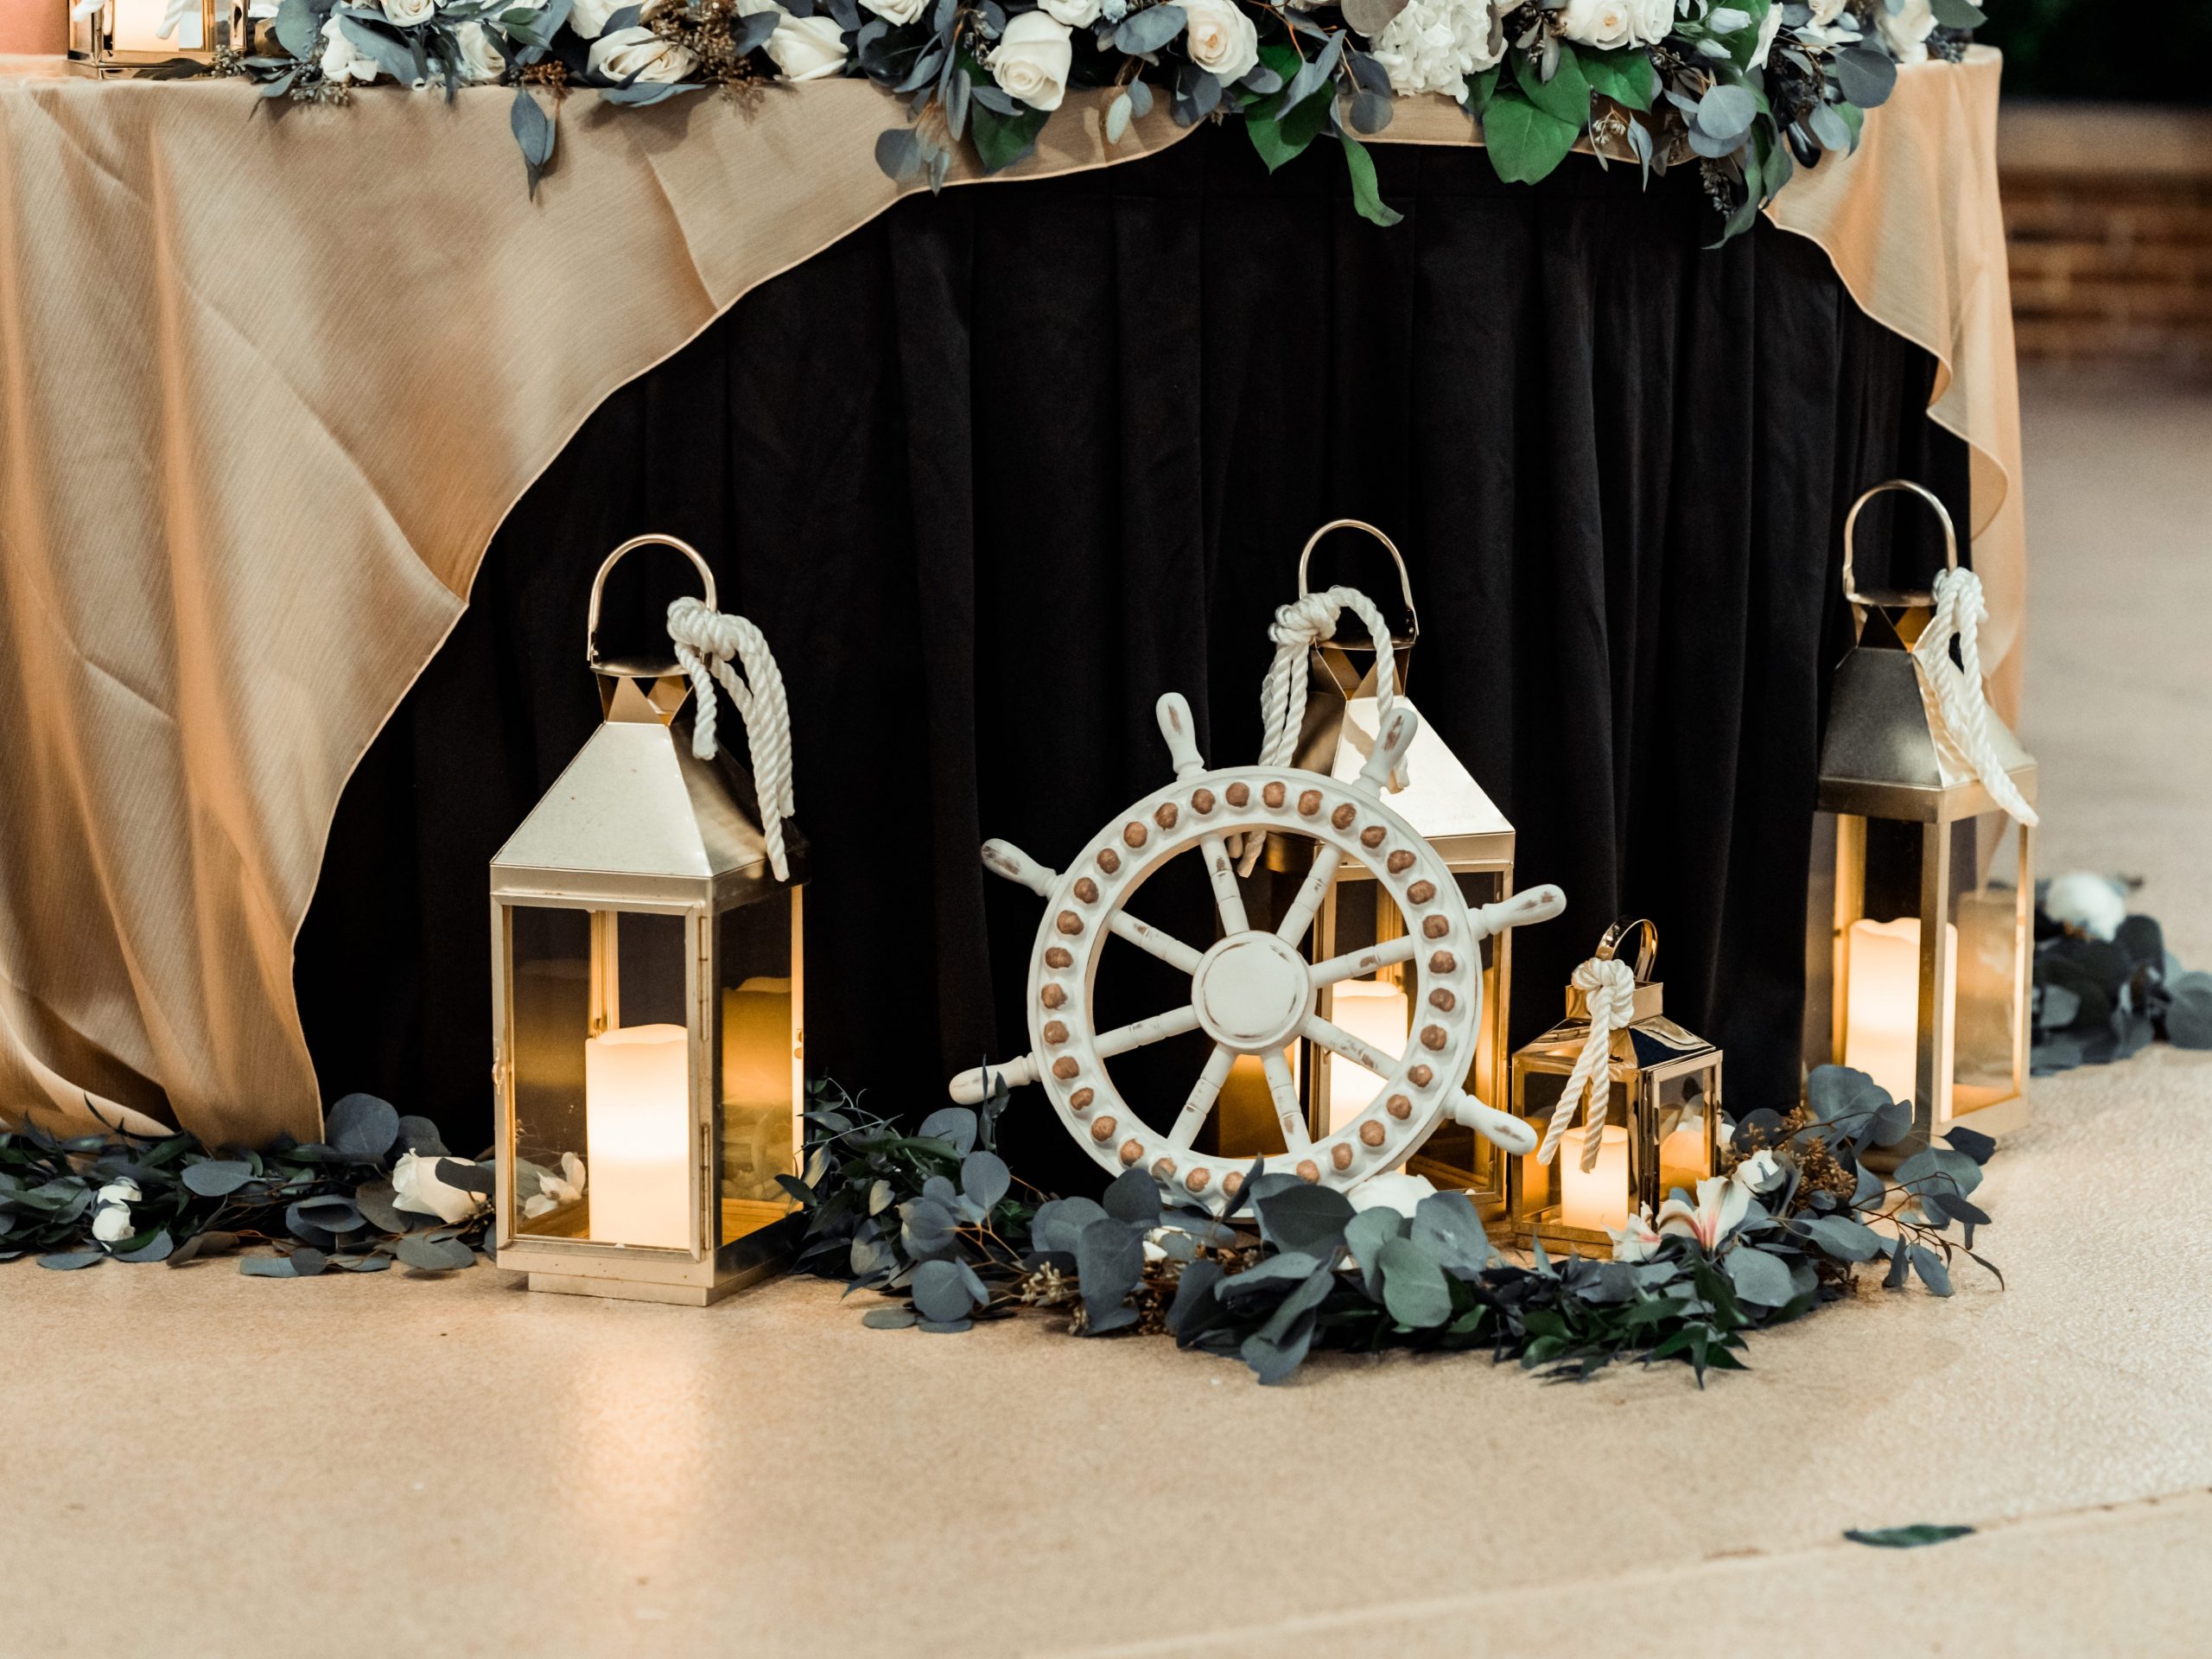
2105, 986
1745, 91
934, 1219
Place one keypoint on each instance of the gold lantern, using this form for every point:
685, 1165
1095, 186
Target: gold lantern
1919, 952
117, 36
1436, 794
1660, 1089
647, 997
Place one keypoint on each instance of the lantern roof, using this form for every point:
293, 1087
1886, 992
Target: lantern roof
637, 816
1441, 797
1886, 752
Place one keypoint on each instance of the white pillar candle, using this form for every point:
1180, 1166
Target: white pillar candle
637, 1117
160, 26
1882, 1011
1682, 1157
1374, 1011
1596, 1198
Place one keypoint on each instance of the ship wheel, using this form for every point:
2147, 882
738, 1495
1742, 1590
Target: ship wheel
1254, 991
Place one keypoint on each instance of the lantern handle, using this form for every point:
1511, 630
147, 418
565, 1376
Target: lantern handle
1405, 581
1647, 949
599, 583
1950, 537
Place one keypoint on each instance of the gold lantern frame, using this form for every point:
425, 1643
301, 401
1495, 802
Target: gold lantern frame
639, 826
92, 49
1442, 800
1882, 759
1640, 1069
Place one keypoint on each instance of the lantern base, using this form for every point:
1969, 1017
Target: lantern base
632, 1290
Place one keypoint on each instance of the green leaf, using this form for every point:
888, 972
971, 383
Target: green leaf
70, 1261
1304, 1217
434, 1254
1001, 141
888, 1318
1566, 95
1524, 142
1266, 134
361, 1127
940, 1293
985, 1180
1147, 30
1626, 76
217, 1177
297, 30
1366, 193
1913, 1537
1758, 1277
1412, 1285
1959, 13
533, 131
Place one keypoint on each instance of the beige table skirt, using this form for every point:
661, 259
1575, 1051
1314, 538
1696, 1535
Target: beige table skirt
267, 388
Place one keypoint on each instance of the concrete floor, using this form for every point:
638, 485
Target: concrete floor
197, 1463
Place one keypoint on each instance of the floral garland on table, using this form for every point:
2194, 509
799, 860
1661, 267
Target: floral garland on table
1745, 89
933, 1219
2105, 983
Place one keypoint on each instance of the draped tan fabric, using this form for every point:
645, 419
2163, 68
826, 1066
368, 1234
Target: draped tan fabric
266, 389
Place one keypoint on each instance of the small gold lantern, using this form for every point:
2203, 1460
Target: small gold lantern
118, 36
1919, 953
1439, 798
1662, 1088
647, 997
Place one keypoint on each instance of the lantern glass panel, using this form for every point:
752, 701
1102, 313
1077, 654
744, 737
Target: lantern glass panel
601, 1058
758, 1062
1972, 872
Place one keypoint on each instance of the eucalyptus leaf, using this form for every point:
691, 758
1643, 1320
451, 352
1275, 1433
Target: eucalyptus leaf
940, 1293
1913, 1537
360, 1126
1758, 1277
217, 1177
888, 1318
954, 1125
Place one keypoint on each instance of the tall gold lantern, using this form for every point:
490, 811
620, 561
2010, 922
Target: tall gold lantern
1435, 793
1920, 935
1661, 1087
117, 36
648, 976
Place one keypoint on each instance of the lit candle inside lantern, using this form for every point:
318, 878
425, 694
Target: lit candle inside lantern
158, 26
637, 1115
1595, 1198
1374, 1011
1682, 1156
1882, 1024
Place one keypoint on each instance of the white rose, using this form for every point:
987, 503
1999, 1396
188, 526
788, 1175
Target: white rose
807, 48
123, 1189
111, 1223
1769, 26
1032, 59
1076, 13
340, 61
407, 13
1220, 38
1393, 1189
1825, 11
638, 55
1653, 20
1433, 46
897, 11
2094, 905
1602, 24
588, 17
1906, 26
480, 57
416, 1186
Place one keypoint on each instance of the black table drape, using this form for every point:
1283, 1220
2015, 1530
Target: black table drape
999, 469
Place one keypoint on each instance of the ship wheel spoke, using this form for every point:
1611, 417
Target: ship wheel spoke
1338, 1040
1227, 898
1157, 1029
1284, 1088
1299, 916
1204, 1093
1353, 963
1149, 940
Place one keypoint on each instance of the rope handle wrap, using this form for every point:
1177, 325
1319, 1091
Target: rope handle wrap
1608, 986
1962, 703
707, 642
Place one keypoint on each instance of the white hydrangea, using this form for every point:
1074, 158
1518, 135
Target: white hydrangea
1433, 46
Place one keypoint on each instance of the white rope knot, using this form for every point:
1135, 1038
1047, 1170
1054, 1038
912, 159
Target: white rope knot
1960, 610
1608, 987
705, 642
1298, 627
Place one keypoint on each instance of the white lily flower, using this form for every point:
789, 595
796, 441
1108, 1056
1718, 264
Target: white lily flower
1720, 1208
1637, 1241
1760, 1172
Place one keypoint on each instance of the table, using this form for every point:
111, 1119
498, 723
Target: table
234, 560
